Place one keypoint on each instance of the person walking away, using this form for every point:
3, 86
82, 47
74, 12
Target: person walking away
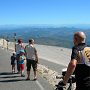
32, 59
22, 59
19, 46
80, 63
13, 58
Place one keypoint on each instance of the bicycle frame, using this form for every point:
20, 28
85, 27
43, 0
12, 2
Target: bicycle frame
70, 81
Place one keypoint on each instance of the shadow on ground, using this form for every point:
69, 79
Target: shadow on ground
7, 73
13, 80
11, 76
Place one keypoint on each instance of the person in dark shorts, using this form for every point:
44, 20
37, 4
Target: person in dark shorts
32, 59
80, 63
13, 58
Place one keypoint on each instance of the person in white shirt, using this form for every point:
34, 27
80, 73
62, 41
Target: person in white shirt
19, 46
32, 59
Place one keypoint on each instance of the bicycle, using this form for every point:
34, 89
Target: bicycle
71, 81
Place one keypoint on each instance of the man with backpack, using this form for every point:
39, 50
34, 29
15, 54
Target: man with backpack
80, 63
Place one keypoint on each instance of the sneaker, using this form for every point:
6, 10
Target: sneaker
35, 79
18, 72
27, 79
22, 75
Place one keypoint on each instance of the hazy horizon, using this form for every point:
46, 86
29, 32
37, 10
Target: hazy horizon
82, 26
59, 36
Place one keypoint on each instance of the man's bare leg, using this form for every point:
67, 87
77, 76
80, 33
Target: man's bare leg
28, 75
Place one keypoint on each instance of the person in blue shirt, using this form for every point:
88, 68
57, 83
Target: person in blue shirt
79, 63
22, 59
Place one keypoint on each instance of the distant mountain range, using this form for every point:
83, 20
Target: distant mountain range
55, 36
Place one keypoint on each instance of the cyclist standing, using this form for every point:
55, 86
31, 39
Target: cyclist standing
80, 63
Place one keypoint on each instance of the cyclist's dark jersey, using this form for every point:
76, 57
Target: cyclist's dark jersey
82, 71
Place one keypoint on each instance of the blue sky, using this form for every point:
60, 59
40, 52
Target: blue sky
20, 12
